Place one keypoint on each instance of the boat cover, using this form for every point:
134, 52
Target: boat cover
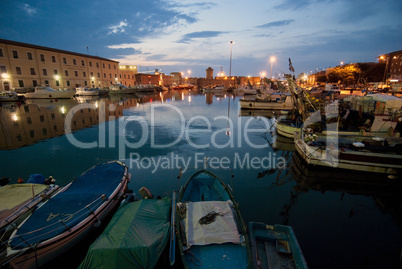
14, 196
219, 229
134, 238
70, 206
36, 178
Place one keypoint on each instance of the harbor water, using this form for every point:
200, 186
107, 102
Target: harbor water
341, 219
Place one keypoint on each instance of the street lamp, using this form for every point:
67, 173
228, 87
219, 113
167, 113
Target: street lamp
272, 60
230, 63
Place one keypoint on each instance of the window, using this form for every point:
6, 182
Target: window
109, 66
74, 62
1, 52
103, 65
33, 71
42, 57
114, 67
53, 116
53, 59
18, 70
32, 133
46, 82
104, 75
41, 118
66, 72
92, 74
15, 54
44, 130
34, 83
98, 75
97, 65
29, 55
82, 62
29, 120
20, 83
57, 83
64, 60
68, 83
84, 74
3, 69
76, 73
44, 72
90, 64
86, 83
55, 72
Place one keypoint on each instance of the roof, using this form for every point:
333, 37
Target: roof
15, 43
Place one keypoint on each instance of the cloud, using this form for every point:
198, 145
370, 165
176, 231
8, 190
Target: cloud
119, 28
275, 24
29, 10
203, 34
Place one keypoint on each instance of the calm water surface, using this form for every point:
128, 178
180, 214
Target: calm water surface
339, 224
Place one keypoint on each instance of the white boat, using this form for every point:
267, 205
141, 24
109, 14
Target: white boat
8, 96
246, 90
287, 128
282, 101
84, 91
45, 92
358, 153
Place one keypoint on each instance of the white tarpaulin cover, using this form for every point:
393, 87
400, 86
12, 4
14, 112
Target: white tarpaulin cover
222, 229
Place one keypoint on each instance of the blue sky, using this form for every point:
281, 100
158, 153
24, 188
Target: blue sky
177, 36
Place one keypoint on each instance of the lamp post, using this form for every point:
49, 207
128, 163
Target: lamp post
272, 60
230, 64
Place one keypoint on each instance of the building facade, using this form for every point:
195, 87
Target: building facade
127, 75
24, 66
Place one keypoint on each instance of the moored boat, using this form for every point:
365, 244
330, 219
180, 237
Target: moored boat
210, 229
45, 92
275, 246
135, 237
84, 91
65, 219
287, 128
281, 101
359, 153
8, 96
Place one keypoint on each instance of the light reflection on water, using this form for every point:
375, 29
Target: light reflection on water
338, 225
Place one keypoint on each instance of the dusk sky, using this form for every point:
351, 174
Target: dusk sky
177, 36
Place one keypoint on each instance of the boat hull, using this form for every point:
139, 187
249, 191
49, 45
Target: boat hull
50, 95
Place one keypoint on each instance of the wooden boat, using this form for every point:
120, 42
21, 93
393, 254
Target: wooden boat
45, 92
120, 89
17, 201
69, 216
214, 89
275, 246
135, 237
359, 153
281, 101
211, 232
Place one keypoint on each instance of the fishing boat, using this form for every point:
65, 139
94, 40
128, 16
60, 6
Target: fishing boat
120, 89
67, 217
135, 237
214, 89
84, 91
275, 246
46, 92
282, 101
359, 153
210, 230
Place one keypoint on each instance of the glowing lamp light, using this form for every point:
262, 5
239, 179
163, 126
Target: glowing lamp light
14, 117
5, 75
63, 110
56, 77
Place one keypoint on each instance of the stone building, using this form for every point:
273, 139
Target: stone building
25, 66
